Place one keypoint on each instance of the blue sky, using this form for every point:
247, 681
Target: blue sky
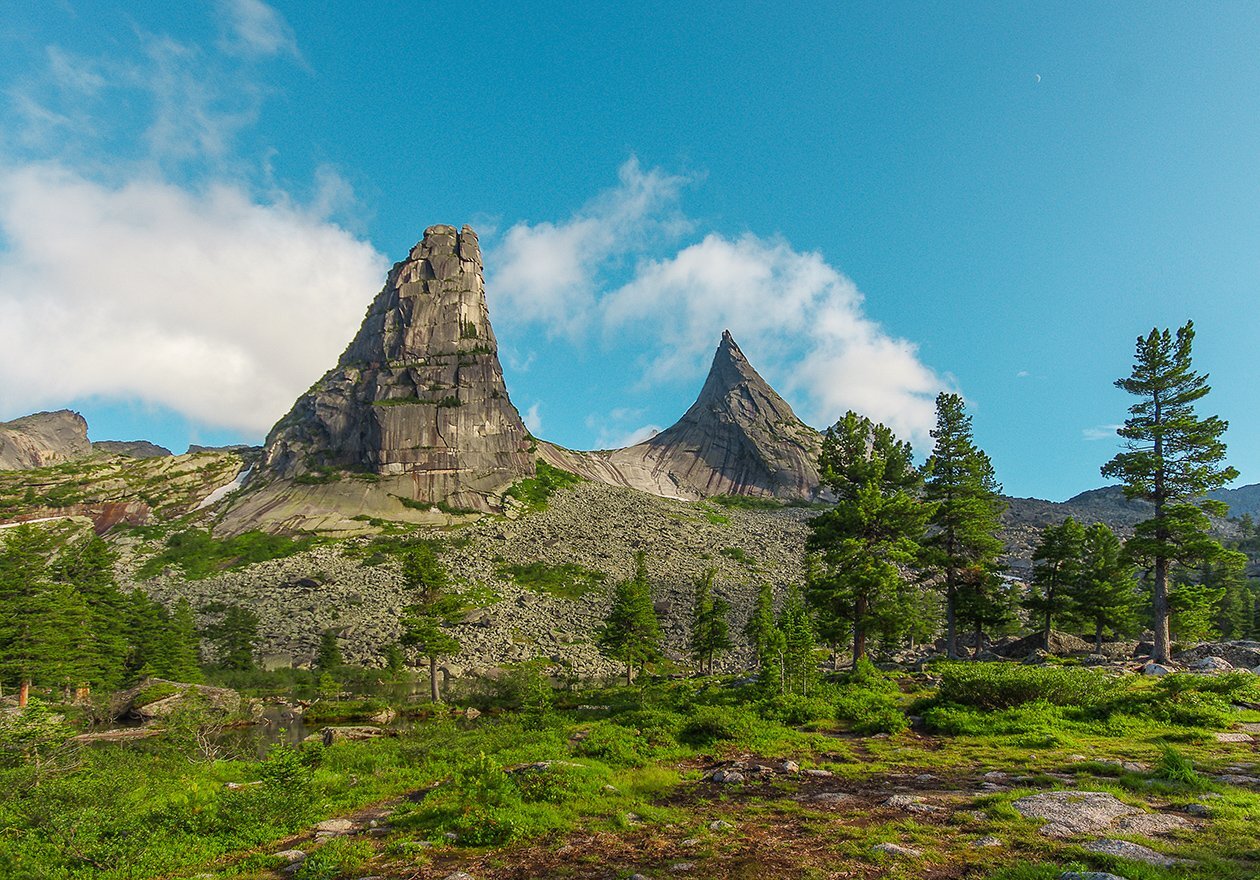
198, 201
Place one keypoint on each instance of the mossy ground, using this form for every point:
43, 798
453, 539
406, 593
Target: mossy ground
623, 791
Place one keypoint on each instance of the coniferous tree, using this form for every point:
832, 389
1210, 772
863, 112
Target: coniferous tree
985, 601
631, 633
428, 581
963, 546
861, 546
1057, 561
329, 656
235, 637
181, 649
1103, 590
423, 633
710, 630
799, 669
763, 633
1173, 458
87, 565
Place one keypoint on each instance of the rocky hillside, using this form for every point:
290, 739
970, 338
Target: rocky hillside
592, 528
43, 439
417, 400
739, 438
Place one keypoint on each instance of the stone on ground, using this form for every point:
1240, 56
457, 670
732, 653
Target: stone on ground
894, 849
1073, 812
1134, 852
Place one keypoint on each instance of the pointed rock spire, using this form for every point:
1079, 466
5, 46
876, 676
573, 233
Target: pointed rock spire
418, 395
739, 438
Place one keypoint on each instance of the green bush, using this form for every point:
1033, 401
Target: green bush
1032, 719
565, 581
711, 724
1176, 767
869, 712
613, 744
337, 859
796, 710
659, 727
329, 711
534, 492
1005, 685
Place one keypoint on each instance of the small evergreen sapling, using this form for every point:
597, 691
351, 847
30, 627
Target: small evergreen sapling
710, 631
631, 633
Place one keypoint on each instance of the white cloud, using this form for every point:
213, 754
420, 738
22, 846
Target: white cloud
253, 28
136, 264
1022, 374
209, 303
1100, 432
799, 319
532, 418
550, 272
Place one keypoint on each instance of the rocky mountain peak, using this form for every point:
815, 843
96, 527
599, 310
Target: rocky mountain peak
43, 439
739, 438
418, 394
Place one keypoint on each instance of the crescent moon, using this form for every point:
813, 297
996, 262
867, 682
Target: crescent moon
1038, 76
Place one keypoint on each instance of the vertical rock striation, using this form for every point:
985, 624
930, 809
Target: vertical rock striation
418, 396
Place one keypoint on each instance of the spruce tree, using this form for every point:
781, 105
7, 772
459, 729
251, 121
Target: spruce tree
710, 631
1057, 561
1173, 459
235, 636
424, 634
1103, 589
631, 633
963, 545
329, 657
799, 669
763, 633
182, 646
861, 546
87, 565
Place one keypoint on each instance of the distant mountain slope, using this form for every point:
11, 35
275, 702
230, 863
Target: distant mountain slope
1244, 499
739, 438
43, 439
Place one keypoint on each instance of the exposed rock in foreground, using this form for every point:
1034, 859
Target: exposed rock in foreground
416, 408
43, 439
739, 438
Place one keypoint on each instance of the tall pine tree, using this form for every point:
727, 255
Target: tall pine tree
1173, 458
1103, 590
963, 545
862, 545
710, 630
1057, 561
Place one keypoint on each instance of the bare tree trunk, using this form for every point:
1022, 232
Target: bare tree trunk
979, 642
1098, 628
434, 693
629, 673
1159, 605
24, 693
951, 622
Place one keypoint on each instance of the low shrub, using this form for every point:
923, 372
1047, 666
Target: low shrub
796, 710
1006, 685
337, 859
711, 724
1175, 766
328, 711
1030, 719
659, 727
613, 744
869, 712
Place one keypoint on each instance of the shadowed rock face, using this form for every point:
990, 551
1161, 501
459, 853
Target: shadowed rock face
43, 439
738, 438
418, 396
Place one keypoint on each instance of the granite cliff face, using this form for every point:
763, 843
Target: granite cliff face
738, 438
43, 439
417, 402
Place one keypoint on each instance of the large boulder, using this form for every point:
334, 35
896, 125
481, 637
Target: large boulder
158, 698
1060, 644
1068, 813
1239, 653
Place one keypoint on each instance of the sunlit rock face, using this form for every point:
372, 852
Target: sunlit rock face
739, 438
419, 392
